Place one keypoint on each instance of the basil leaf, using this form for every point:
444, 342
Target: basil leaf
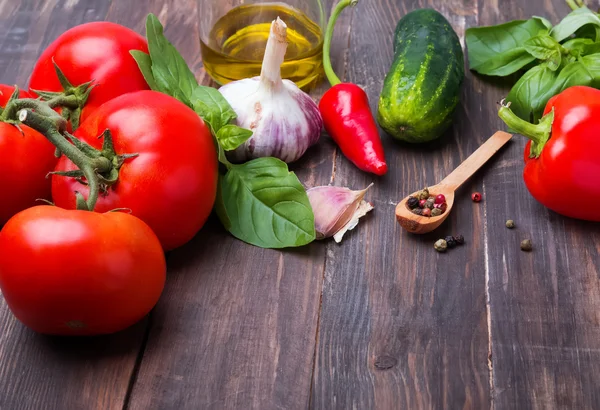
545, 48
544, 21
584, 71
573, 22
264, 204
144, 63
592, 65
210, 104
583, 46
171, 74
590, 31
498, 50
231, 136
528, 96
220, 206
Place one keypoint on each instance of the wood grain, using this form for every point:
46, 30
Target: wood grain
544, 305
402, 326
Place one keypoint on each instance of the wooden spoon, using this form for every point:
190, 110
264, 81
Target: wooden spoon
423, 224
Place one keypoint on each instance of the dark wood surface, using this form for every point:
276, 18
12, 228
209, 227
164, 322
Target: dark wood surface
379, 321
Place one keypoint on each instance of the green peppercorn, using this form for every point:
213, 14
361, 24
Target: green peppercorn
430, 202
450, 241
436, 212
510, 224
440, 245
526, 245
417, 211
412, 202
459, 239
424, 194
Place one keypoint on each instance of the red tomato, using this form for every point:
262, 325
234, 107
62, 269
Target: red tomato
78, 272
97, 51
569, 164
171, 185
25, 160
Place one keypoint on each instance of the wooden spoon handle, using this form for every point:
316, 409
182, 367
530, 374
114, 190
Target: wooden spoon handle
476, 160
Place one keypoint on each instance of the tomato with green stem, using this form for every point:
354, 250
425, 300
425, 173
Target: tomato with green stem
26, 158
155, 156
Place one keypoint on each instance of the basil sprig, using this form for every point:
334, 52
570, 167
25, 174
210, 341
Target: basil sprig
550, 59
260, 202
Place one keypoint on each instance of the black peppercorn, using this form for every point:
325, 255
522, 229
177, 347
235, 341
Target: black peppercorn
412, 202
459, 239
450, 241
417, 211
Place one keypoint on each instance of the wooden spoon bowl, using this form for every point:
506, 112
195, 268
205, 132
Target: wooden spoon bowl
423, 224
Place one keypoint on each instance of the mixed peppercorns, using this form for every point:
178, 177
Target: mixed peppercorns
448, 242
425, 204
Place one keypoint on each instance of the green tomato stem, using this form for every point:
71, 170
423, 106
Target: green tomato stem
331, 76
39, 116
539, 134
90, 167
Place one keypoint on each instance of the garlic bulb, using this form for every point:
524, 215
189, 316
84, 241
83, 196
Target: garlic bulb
337, 210
284, 120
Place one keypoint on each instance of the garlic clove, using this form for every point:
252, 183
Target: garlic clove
363, 208
337, 210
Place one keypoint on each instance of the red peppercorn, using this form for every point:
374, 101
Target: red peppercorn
422, 203
440, 199
426, 212
443, 207
476, 196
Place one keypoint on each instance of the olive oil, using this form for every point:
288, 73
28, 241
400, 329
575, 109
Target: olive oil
236, 44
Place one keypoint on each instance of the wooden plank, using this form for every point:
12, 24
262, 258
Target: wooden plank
51, 372
401, 325
236, 326
545, 324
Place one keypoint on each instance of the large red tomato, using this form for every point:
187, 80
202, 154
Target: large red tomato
25, 160
97, 51
78, 272
171, 185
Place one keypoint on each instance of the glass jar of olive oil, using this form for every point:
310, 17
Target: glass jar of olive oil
233, 36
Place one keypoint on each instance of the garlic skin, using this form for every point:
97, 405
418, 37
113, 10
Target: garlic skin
285, 121
337, 210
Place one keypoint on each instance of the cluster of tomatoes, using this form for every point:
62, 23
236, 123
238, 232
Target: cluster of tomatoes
69, 271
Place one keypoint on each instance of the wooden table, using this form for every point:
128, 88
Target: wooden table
379, 321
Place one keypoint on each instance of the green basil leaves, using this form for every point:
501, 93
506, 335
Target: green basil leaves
499, 50
259, 202
550, 58
264, 204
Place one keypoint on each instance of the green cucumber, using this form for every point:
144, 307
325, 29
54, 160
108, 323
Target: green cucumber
422, 89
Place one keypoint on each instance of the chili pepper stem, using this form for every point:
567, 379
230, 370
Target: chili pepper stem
50, 127
575, 4
539, 134
331, 76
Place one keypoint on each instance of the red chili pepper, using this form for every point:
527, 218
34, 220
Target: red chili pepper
346, 113
562, 160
